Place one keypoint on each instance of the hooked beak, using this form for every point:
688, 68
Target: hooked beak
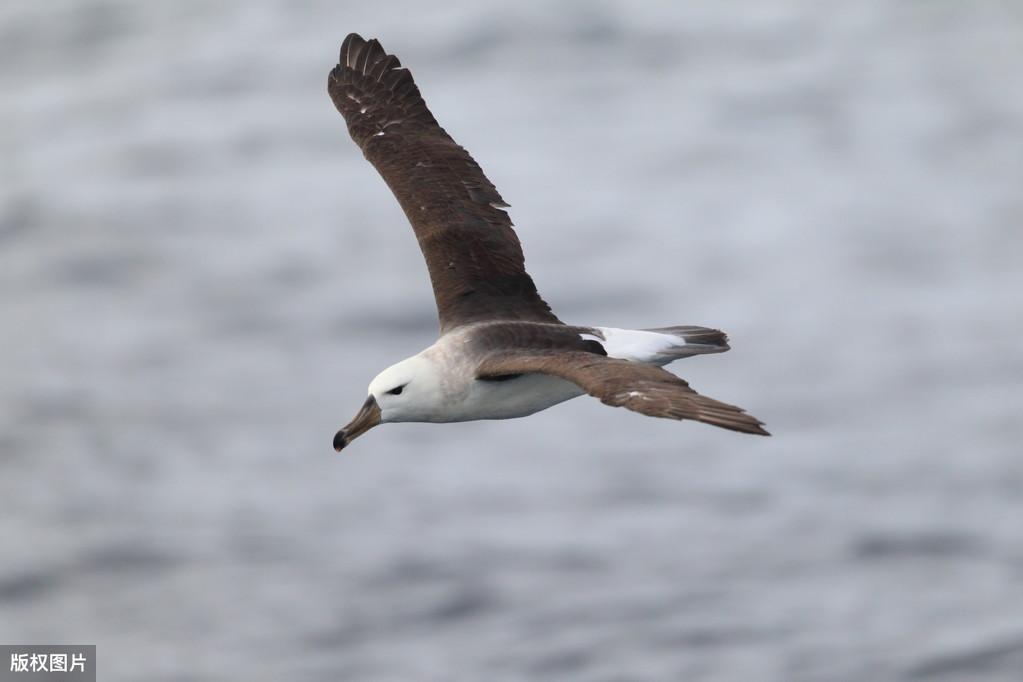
368, 417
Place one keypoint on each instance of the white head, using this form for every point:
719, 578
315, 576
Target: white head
408, 391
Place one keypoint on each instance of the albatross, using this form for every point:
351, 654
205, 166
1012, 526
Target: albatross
501, 352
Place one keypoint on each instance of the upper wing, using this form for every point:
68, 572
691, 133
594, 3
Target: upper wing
638, 387
473, 255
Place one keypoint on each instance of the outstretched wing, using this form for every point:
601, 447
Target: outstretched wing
642, 388
473, 255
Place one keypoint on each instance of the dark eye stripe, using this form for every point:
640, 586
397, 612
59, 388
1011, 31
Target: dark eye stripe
398, 390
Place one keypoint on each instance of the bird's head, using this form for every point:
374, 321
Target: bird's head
408, 391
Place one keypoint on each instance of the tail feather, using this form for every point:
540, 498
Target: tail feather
697, 340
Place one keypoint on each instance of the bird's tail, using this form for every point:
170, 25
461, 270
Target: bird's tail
694, 341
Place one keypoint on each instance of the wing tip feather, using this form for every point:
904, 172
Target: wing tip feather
365, 72
726, 416
365, 57
353, 42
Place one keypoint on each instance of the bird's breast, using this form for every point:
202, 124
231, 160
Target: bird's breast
513, 397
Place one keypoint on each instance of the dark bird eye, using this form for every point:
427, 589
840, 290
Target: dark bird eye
397, 391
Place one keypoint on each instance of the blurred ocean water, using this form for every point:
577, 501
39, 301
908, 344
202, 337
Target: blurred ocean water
199, 274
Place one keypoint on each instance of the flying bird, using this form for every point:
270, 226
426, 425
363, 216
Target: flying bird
501, 353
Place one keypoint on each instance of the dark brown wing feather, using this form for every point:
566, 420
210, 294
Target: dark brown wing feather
473, 255
642, 388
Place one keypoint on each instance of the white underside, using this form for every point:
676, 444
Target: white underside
517, 397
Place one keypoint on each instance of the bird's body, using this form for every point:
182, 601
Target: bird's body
450, 367
502, 353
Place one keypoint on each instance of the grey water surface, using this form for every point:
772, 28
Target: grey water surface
199, 275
